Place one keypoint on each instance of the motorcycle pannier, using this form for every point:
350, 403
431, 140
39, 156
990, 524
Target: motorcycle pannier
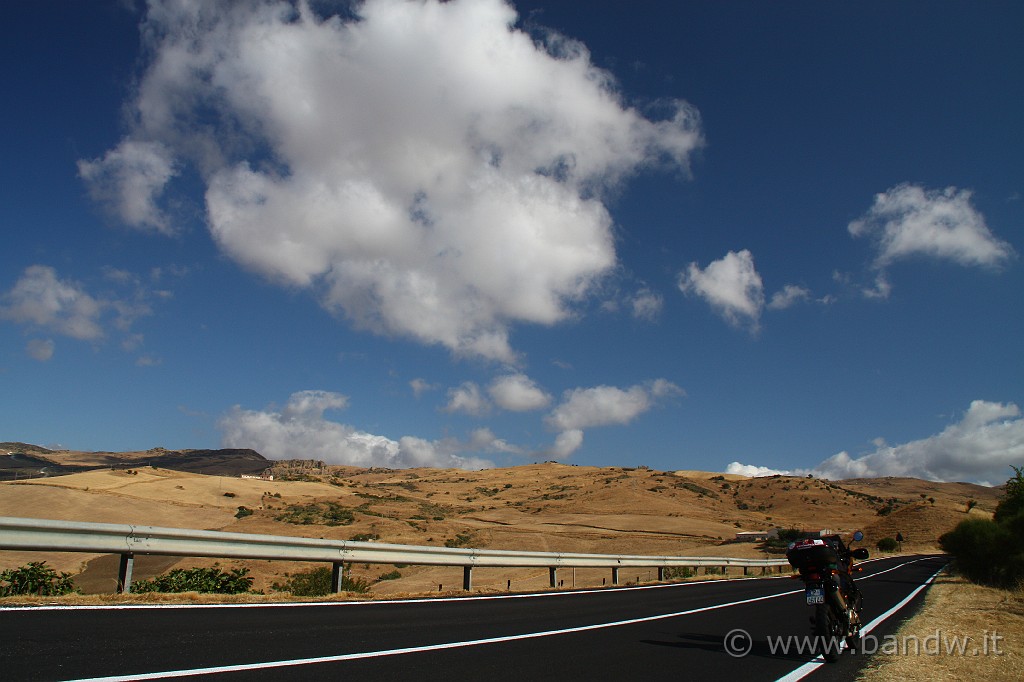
818, 553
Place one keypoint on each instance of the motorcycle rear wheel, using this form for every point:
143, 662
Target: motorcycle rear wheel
827, 633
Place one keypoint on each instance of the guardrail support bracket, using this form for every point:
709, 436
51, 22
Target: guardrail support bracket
553, 573
337, 573
661, 574
467, 578
615, 575
124, 573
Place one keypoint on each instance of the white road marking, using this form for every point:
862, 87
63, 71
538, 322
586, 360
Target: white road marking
417, 649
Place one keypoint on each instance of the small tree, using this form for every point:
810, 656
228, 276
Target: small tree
1013, 501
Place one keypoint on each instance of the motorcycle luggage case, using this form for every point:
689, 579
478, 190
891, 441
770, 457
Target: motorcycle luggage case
811, 553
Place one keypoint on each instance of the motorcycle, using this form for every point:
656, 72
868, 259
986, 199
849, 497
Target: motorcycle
825, 565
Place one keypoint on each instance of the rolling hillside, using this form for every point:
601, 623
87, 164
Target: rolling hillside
548, 507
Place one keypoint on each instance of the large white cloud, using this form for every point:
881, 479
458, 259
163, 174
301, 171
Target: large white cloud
300, 431
980, 447
730, 285
909, 220
583, 408
427, 168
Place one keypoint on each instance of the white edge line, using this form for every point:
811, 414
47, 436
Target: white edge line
809, 667
429, 647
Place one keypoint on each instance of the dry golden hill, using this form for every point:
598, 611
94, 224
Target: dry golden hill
546, 507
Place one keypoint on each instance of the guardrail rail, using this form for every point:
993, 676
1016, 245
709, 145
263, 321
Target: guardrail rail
127, 540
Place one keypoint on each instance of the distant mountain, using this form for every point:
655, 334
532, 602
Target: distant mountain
23, 460
23, 448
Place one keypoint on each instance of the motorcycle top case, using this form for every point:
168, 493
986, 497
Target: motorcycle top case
818, 553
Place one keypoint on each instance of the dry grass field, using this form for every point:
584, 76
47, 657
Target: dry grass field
963, 632
545, 507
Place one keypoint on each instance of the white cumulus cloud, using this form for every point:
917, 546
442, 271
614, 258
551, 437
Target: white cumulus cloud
300, 431
427, 168
752, 470
518, 393
731, 286
583, 408
468, 399
909, 220
43, 300
129, 180
980, 448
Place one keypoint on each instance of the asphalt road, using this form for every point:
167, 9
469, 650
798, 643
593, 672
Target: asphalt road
629, 633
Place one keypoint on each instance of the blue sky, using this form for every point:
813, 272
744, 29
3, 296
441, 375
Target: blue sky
738, 236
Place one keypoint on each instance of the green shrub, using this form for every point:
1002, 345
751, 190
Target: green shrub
207, 580
673, 572
887, 545
323, 513
316, 582
392, 575
243, 512
992, 552
35, 578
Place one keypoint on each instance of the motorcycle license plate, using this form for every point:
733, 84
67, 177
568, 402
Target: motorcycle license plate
815, 595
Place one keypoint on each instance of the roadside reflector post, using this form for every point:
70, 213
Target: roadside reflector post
615, 575
553, 575
124, 573
467, 578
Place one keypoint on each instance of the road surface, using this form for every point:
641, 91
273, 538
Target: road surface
648, 632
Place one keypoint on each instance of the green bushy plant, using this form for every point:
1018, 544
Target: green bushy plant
991, 552
316, 582
207, 580
887, 545
35, 578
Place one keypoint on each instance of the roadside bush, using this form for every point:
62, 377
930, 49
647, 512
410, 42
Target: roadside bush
316, 582
207, 580
992, 552
35, 578
392, 575
673, 572
887, 545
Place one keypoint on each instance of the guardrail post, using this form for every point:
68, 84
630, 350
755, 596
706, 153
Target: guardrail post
615, 575
467, 578
124, 573
337, 574
661, 574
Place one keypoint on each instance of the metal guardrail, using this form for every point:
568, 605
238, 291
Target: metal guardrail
128, 540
